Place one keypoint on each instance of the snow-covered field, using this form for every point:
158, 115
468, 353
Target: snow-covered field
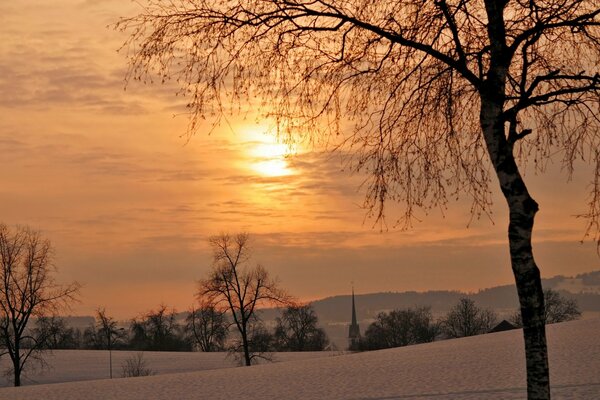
482, 367
85, 365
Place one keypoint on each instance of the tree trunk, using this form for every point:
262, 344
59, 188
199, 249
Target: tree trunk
17, 370
531, 299
522, 209
246, 347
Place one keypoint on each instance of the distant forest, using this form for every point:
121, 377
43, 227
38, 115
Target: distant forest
334, 312
584, 288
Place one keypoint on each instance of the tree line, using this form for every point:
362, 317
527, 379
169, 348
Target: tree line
208, 329
203, 329
403, 327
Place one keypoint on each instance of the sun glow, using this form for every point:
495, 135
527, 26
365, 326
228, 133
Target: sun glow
270, 159
272, 168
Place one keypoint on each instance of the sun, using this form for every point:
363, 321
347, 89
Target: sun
272, 168
269, 159
265, 155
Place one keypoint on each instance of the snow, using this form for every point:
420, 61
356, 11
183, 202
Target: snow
487, 366
82, 365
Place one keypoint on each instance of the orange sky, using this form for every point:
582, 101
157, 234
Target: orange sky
129, 203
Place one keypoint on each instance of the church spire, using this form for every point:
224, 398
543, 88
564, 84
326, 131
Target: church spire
354, 329
354, 323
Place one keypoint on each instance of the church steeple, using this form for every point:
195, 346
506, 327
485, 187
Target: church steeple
353, 310
354, 329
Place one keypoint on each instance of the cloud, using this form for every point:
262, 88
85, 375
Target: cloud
74, 64
107, 174
12, 147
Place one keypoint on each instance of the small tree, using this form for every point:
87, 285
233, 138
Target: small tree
207, 327
107, 334
466, 319
297, 330
400, 328
261, 342
235, 286
136, 365
107, 331
27, 290
56, 333
158, 330
91, 339
558, 309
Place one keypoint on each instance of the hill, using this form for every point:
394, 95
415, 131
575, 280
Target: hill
479, 367
334, 312
584, 288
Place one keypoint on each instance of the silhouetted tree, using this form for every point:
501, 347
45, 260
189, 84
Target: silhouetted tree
107, 334
207, 327
107, 330
558, 309
297, 330
135, 365
138, 339
400, 328
431, 94
92, 339
466, 319
56, 333
235, 286
27, 290
158, 330
261, 341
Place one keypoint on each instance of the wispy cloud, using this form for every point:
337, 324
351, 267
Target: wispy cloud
126, 196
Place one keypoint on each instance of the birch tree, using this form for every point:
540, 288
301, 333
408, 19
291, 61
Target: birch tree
433, 98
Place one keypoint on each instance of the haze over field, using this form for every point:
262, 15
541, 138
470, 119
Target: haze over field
87, 365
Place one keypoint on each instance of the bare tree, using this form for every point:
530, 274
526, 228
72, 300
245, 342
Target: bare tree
297, 330
466, 319
28, 290
92, 339
108, 333
558, 309
136, 365
261, 343
56, 333
107, 329
436, 97
237, 287
207, 327
400, 328
158, 330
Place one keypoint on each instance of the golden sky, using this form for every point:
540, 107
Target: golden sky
128, 201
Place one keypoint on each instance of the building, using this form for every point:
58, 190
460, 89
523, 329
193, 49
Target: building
503, 326
354, 329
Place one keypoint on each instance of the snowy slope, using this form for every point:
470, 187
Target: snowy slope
483, 367
81, 365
